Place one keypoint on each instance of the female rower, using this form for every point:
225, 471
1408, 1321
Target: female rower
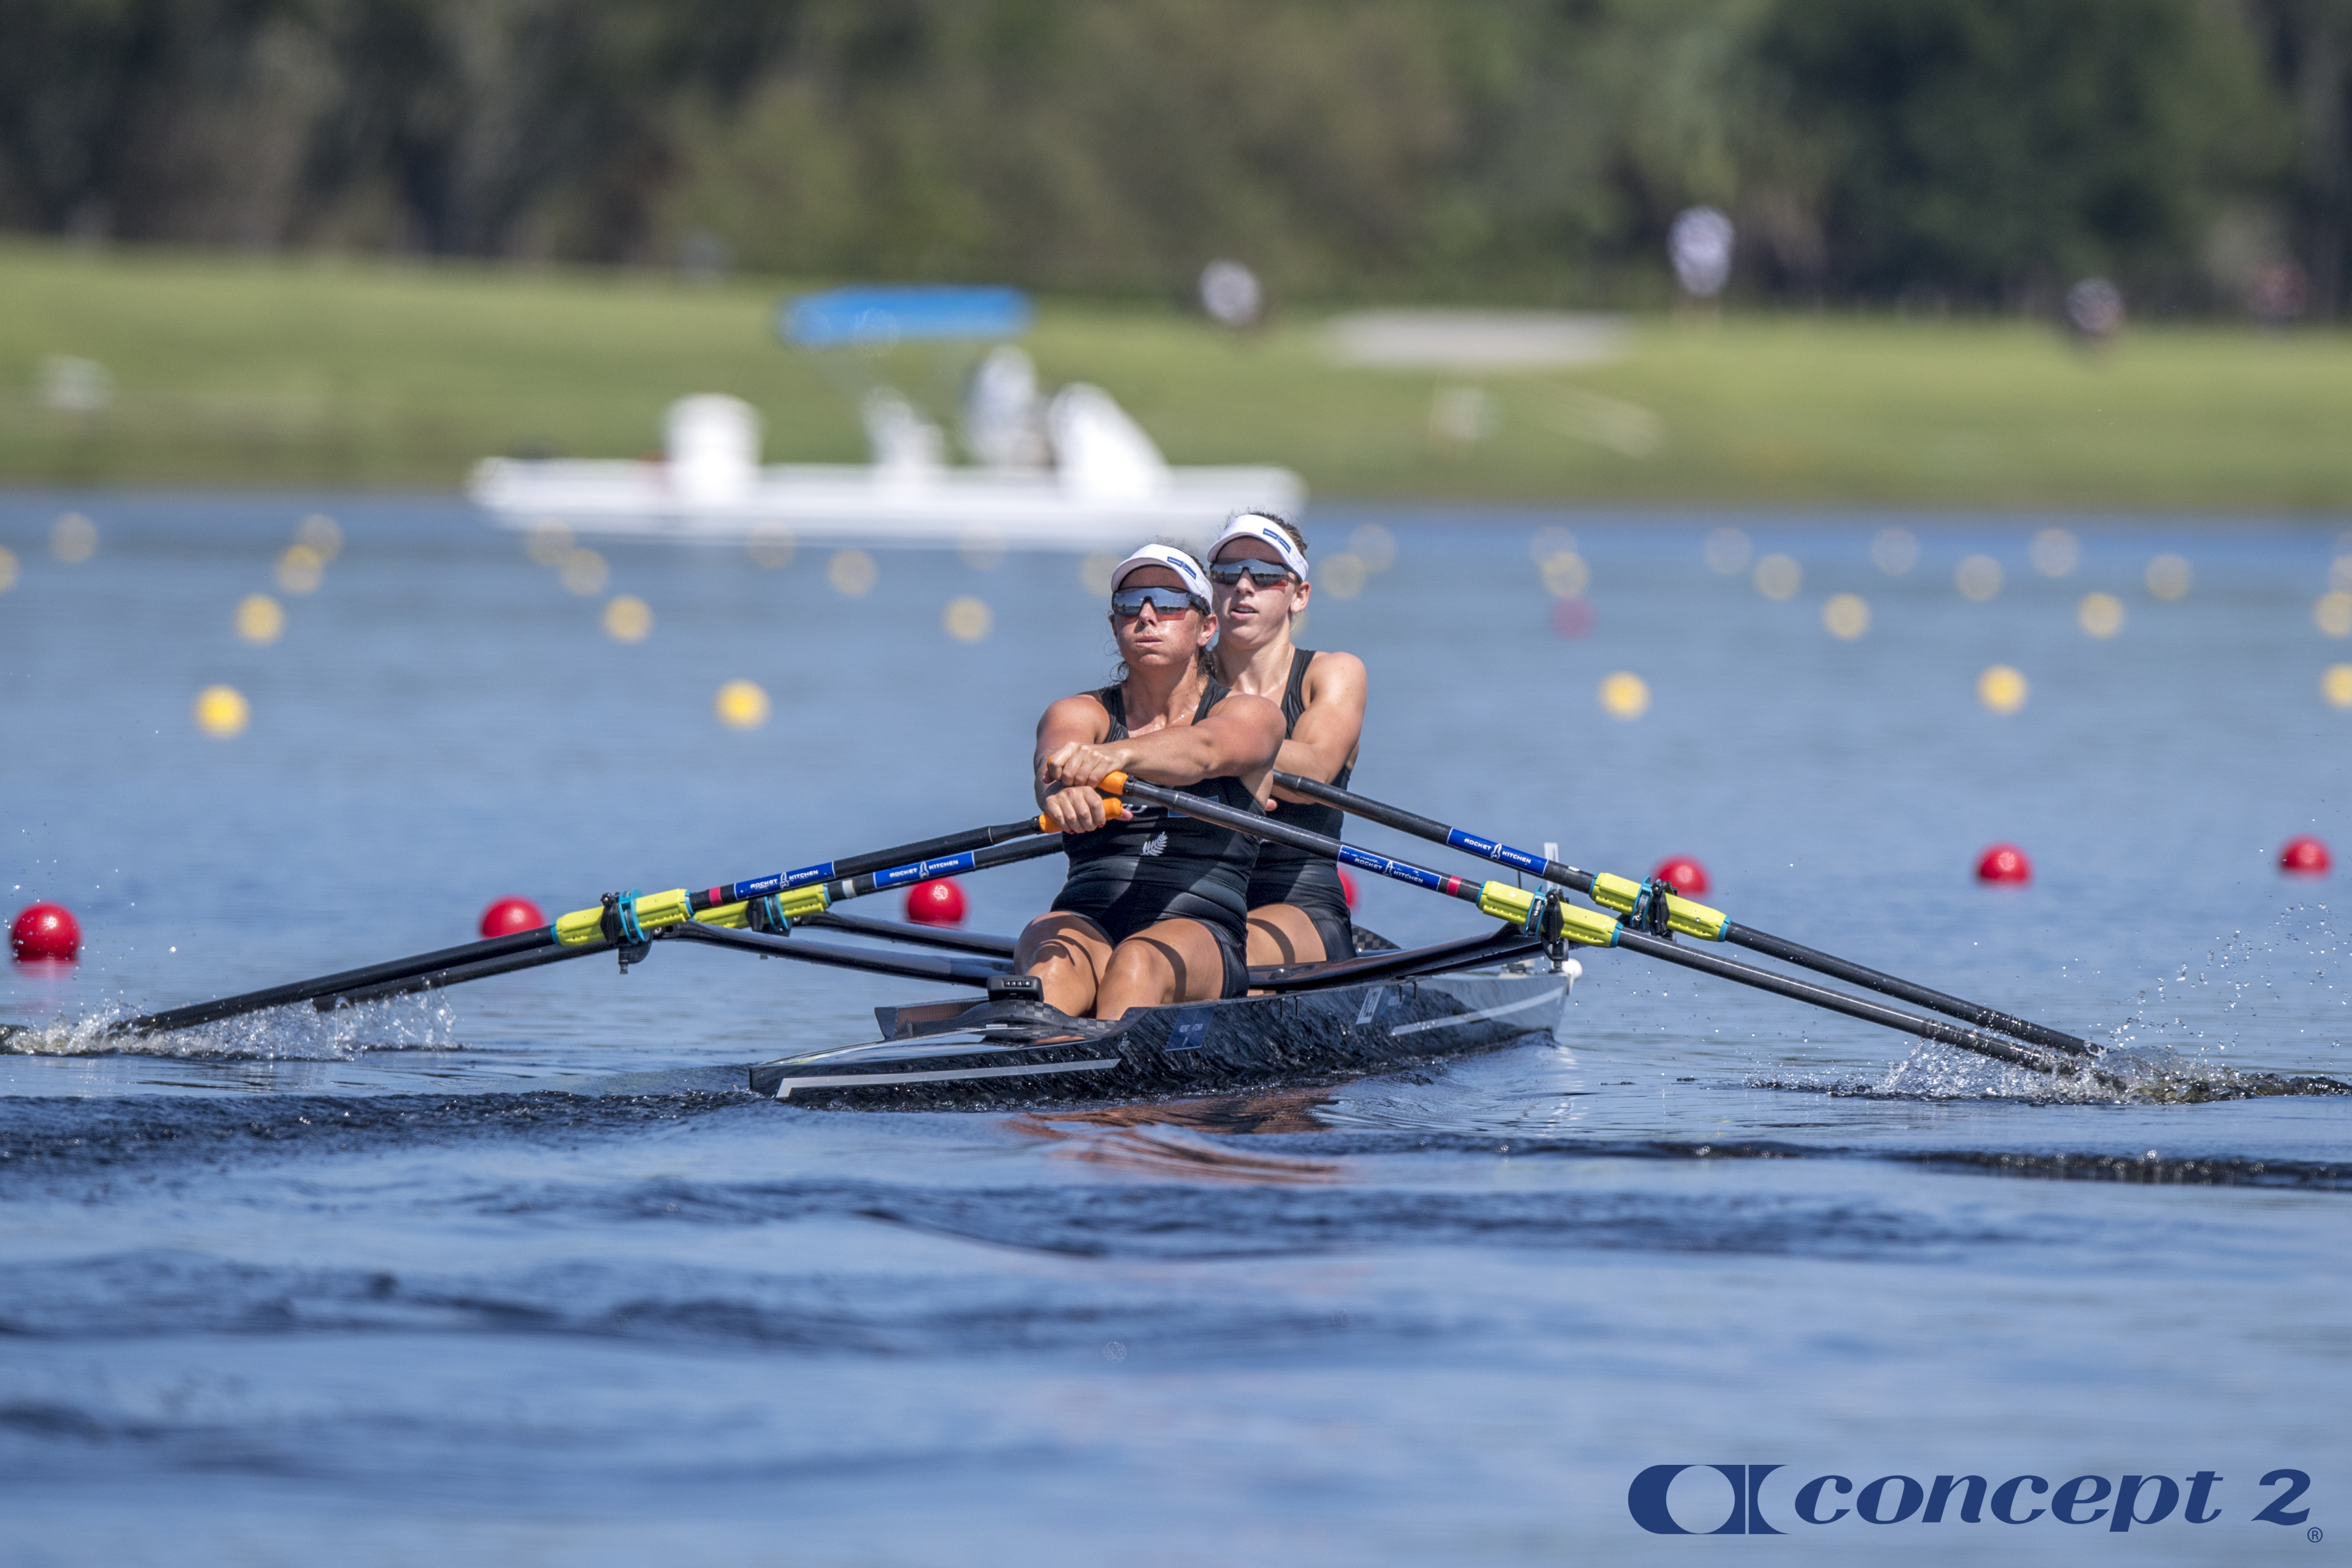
1152, 911
1257, 567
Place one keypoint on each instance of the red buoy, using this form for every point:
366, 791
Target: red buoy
1347, 887
45, 933
2004, 863
2305, 857
508, 916
1571, 619
939, 903
1683, 874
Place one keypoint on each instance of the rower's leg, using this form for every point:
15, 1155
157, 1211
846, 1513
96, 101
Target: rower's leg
1175, 961
1281, 935
1067, 954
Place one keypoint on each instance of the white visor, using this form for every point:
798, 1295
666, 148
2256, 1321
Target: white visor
1265, 531
1196, 581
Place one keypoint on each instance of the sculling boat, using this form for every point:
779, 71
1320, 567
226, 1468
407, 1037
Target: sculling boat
1317, 1022
1376, 1012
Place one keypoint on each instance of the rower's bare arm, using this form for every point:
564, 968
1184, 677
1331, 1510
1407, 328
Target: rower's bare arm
1239, 739
1325, 738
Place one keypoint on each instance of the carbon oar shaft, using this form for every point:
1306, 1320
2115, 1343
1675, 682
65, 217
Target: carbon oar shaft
1604, 889
579, 933
1599, 931
1869, 1012
965, 971
1494, 897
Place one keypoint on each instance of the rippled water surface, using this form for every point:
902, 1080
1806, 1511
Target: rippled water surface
520, 1273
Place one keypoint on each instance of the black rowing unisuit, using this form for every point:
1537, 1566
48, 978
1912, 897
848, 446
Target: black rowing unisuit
1287, 876
1126, 876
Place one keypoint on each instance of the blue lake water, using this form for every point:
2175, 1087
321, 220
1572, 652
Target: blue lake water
518, 1273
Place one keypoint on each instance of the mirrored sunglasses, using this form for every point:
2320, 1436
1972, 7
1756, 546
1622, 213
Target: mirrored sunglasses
1261, 574
1128, 602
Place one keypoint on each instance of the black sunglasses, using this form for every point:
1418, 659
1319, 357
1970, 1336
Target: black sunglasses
1128, 602
1261, 574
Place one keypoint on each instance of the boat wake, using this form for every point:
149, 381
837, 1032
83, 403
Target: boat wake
423, 1023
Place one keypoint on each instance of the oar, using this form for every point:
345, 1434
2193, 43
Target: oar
1681, 914
804, 906
623, 921
1558, 920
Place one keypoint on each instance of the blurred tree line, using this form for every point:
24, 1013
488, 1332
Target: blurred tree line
1975, 153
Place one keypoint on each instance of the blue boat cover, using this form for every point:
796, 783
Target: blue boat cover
884, 313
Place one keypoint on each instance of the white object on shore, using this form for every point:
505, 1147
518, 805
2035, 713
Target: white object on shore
1477, 339
1109, 487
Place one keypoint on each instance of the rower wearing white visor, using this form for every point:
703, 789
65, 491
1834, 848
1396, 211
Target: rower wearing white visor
1257, 572
1154, 907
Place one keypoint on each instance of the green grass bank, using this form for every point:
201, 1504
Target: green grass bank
236, 371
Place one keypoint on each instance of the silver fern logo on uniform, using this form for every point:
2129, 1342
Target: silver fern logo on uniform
1157, 843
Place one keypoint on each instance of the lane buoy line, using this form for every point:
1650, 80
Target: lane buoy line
1655, 914
753, 916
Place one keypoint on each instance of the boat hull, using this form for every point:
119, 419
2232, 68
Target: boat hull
1011, 1053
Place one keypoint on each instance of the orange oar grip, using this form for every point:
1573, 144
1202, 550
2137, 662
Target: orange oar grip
1114, 809
1113, 784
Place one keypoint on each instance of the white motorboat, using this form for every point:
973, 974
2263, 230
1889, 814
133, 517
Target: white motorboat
1072, 472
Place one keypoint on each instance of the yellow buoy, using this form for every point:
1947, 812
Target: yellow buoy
321, 534
222, 712
743, 705
301, 569
260, 619
1728, 552
2169, 577
2333, 615
584, 573
852, 573
1978, 578
548, 543
1624, 695
2337, 685
628, 618
966, 619
981, 549
74, 538
1343, 575
2055, 552
2001, 688
771, 545
1779, 577
1566, 576
1895, 551
1374, 545
2100, 614
1547, 542
1846, 616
